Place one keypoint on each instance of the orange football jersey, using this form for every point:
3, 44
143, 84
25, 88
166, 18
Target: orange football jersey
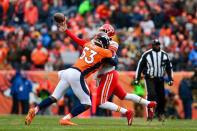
91, 58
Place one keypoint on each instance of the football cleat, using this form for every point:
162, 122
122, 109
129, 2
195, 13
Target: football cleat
66, 122
31, 114
151, 109
129, 114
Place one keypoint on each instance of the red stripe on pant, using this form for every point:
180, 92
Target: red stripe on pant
113, 86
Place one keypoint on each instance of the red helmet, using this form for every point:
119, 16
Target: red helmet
109, 29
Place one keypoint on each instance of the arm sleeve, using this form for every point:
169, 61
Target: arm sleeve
113, 61
140, 67
169, 69
76, 39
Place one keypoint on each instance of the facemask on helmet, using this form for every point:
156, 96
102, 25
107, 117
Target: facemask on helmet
102, 39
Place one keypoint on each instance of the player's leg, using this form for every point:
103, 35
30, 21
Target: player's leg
81, 90
119, 91
113, 107
59, 91
105, 89
151, 105
123, 95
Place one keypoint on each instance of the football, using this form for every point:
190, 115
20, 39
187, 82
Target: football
59, 17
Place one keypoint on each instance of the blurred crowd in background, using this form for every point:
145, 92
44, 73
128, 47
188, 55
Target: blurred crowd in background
30, 40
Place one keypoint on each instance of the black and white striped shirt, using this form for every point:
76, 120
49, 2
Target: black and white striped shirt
155, 64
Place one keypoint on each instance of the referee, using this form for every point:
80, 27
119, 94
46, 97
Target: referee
153, 63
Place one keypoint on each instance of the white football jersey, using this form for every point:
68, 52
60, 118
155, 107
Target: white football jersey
107, 67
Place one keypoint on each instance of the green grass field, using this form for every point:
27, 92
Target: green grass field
46, 123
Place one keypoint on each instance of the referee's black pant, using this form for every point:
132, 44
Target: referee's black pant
156, 92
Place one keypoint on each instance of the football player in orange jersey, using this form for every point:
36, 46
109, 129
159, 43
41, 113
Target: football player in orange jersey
93, 54
108, 80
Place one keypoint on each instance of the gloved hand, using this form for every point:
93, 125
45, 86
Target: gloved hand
170, 83
136, 82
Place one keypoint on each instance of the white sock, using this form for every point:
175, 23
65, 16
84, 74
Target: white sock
113, 107
69, 116
137, 99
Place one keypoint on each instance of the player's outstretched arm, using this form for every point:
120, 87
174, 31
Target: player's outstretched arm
61, 23
76, 39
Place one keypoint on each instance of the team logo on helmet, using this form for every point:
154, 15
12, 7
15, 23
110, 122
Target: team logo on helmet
109, 29
102, 39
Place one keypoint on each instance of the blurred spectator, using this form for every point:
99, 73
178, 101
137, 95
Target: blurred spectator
189, 6
55, 55
170, 12
171, 107
26, 46
5, 65
39, 56
121, 17
186, 96
31, 13
19, 10
102, 10
177, 60
59, 7
44, 15
24, 65
193, 56
14, 55
45, 38
20, 89
67, 46
49, 65
84, 7
136, 17
43, 91
3, 52
124, 61
10, 11
1, 32
158, 17
147, 25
